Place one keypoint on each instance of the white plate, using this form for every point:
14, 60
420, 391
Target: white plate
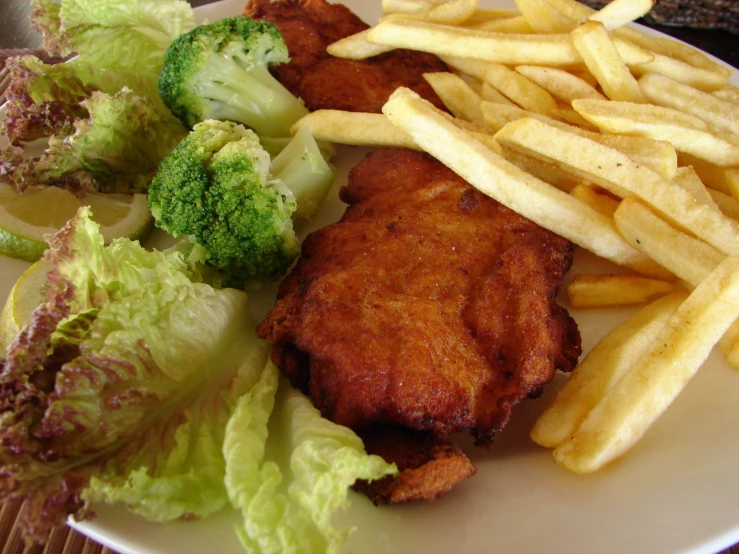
676, 491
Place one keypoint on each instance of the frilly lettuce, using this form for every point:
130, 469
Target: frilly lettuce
288, 470
124, 380
137, 382
84, 104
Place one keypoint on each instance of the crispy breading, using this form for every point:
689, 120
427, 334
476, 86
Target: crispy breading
429, 306
428, 467
325, 82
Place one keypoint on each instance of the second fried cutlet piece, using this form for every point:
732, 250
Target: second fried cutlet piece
429, 306
325, 82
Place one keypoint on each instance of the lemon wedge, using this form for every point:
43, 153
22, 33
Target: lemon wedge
26, 218
24, 297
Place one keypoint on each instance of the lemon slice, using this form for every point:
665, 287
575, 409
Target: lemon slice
26, 218
24, 297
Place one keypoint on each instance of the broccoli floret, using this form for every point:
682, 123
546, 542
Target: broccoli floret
220, 71
219, 188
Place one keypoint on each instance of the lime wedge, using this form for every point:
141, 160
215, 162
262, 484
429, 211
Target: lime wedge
26, 218
24, 297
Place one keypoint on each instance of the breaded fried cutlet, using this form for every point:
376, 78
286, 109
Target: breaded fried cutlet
429, 307
325, 82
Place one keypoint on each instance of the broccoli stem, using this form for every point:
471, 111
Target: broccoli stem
251, 96
303, 169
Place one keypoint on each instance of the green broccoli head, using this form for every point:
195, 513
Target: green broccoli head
220, 71
215, 188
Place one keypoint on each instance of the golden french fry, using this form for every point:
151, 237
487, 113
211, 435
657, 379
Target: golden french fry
726, 203
599, 201
493, 175
601, 369
457, 95
664, 91
657, 155
688, 179
570, 116
490, 94
486, 15
686, 53
585, 75
616, 172
732, 181
354, 128
711, 175
454, 12
545, 18
547, 172
690, 259
621, 12
685, 132
728, 95
559, 83
633, 404
598, 51
702, 79
505, 48
371, 129
521, 90
517, 24
406, 6
616, 289
356, 47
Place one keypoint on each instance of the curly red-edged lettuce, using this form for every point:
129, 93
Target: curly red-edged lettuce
127, 374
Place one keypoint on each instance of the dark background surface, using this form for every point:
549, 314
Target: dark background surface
15, 32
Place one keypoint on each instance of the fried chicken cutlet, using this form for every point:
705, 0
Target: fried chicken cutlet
429, 307
325, 82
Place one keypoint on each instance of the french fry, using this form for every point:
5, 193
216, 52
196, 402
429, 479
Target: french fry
659, 156
712, 175
617, 289
688, 179
486, 15
599, 201
726, 203
454, 12
457, 95
356, 47
490, 94
690, 259
559, 83
517, 24
685, 132
632, 405
570, 116
620, 12
371, 129
728, 95
732, 182
504, 48
544, 204
616, 172
545, 18
601, 369
702, 79
354, 128
595, 46
688, 54
520, 89
664, 91
406, 6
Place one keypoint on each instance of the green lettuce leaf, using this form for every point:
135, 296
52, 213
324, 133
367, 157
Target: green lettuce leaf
117, 148
288, 470
113, 34
120, 387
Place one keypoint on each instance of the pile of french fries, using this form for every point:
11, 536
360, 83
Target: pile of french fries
625, 143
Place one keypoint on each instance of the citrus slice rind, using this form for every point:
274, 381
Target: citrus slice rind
27, 219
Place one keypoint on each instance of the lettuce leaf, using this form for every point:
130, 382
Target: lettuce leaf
120, 387
288, 470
